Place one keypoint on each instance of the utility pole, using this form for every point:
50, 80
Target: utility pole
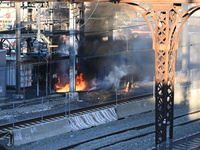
82, 27
29, 15
39, 22
72, 52
18, 46
72, 55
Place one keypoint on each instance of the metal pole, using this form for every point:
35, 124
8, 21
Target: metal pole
82, 27
72, 53
18, 46
110, 33
29, 15
127, 48
24, 84
50, 49
38, 22
42, 118
47, 70
11, 139
38, 82
116, 94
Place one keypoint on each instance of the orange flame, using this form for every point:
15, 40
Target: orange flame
80, 85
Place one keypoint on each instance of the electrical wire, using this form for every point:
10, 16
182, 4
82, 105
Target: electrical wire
88, 57
90, 14
83, 57
7, 134
106, 30
116, 53
114, 29
5, 14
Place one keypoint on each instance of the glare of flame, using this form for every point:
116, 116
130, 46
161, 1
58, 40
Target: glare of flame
80, 85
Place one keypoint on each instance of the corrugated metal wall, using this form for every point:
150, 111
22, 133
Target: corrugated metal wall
2, 73
26, 74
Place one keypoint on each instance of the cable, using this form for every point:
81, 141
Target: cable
5, 14
83, 57
116, 53
90, 14
6, 134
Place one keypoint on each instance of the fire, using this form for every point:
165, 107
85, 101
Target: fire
80, 84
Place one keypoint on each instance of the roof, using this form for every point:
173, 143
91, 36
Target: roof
121, 1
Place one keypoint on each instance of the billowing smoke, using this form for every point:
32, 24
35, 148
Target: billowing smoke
108, 33
112, 80
108, 50
63, 48
188, 70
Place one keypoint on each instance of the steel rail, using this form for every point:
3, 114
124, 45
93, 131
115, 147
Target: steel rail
189, 142
129, 129
4, 129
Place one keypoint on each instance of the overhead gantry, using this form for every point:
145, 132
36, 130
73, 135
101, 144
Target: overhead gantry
165, 19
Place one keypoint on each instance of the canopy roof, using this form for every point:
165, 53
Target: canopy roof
121, 1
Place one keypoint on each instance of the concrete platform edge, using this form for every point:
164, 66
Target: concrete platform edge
53, 128
136, 107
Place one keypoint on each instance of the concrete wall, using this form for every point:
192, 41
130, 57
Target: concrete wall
136, 107
53, 128
41, 131
98, 117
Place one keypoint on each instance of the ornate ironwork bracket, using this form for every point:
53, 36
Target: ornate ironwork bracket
164, 23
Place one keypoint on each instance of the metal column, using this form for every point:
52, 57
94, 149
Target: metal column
29, 15
38, 22
167, 18
18, 46
82, 27
50, 50
164, 22
165, 56
72, 95
72, 54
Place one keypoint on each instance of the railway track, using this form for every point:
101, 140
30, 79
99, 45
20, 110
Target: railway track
189, 142
21, 103
148, 126
7, 128
57, 97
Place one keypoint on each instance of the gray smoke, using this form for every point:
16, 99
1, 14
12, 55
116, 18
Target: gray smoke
112, 80
107, 32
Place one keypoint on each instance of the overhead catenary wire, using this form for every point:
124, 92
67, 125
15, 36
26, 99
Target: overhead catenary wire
83, 57
90, 14
104, 31
93, 56
5, 14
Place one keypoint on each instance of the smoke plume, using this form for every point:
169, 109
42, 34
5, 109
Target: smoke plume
112, 80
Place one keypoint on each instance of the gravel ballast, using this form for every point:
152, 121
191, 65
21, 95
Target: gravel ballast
70, 138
